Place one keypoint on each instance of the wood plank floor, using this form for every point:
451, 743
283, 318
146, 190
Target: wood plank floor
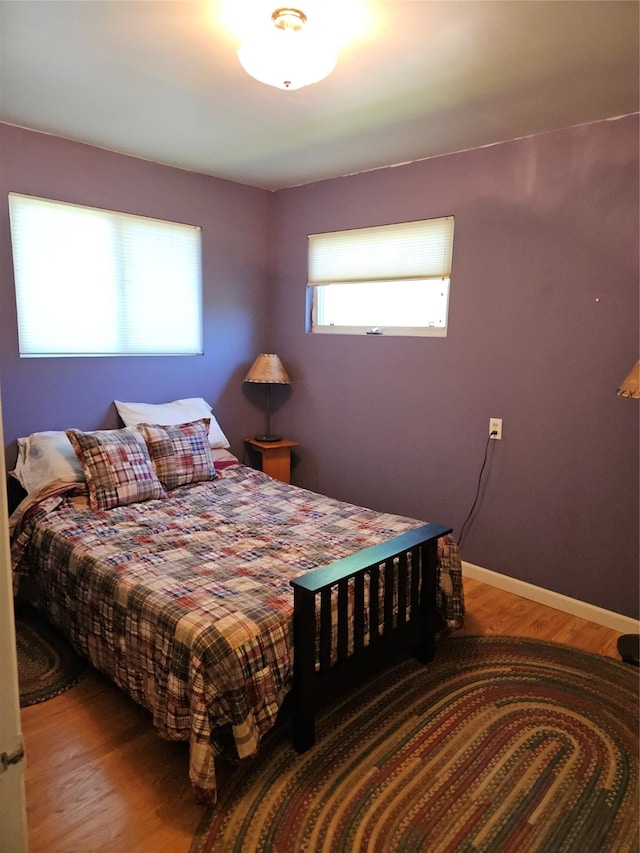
100, 781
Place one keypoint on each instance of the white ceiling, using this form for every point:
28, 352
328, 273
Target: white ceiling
160, 79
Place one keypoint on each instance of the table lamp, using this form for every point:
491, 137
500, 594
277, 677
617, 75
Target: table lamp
629, 644
268, 370
631, 385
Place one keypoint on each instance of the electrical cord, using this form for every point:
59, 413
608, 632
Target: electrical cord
484, 462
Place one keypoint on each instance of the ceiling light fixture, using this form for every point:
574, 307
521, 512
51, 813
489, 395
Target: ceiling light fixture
289, 52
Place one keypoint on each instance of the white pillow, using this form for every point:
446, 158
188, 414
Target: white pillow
170, 414
44, 457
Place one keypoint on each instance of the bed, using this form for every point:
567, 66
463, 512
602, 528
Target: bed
210, 602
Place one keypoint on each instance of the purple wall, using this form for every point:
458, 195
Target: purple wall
543, 327
58, 393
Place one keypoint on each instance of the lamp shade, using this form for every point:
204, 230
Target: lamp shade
268, 369
631, 385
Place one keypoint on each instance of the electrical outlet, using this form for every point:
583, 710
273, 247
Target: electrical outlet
495, 426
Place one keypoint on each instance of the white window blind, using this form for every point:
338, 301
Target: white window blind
388, 279
98, 282
400, 252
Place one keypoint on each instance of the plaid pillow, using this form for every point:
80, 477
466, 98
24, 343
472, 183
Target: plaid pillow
117, 467
181, 454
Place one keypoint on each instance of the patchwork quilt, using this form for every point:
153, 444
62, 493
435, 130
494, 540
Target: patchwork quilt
185, 601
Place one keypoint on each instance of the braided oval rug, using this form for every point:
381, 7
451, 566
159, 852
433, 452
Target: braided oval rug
47, 665
502, 745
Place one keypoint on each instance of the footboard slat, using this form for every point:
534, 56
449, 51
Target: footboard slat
331, 648
325, 628
343, 619
415, 582
359, 622
403, 570
389, 585
374, 605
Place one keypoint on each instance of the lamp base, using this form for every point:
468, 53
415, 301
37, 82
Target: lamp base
268, 438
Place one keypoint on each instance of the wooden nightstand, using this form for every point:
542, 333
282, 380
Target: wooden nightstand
275, 456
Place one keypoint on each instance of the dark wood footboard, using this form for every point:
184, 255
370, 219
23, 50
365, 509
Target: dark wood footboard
340, 632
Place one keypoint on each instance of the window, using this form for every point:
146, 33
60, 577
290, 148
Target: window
94, 282
390, 279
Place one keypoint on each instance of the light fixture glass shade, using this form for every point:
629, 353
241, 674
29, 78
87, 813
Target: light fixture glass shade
288, 53
631, 385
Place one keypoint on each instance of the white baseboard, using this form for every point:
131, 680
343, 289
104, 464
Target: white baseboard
616, 621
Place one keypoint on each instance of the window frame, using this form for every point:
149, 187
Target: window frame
435, 265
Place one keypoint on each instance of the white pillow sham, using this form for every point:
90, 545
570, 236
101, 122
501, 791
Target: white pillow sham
172, 414
44, 457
